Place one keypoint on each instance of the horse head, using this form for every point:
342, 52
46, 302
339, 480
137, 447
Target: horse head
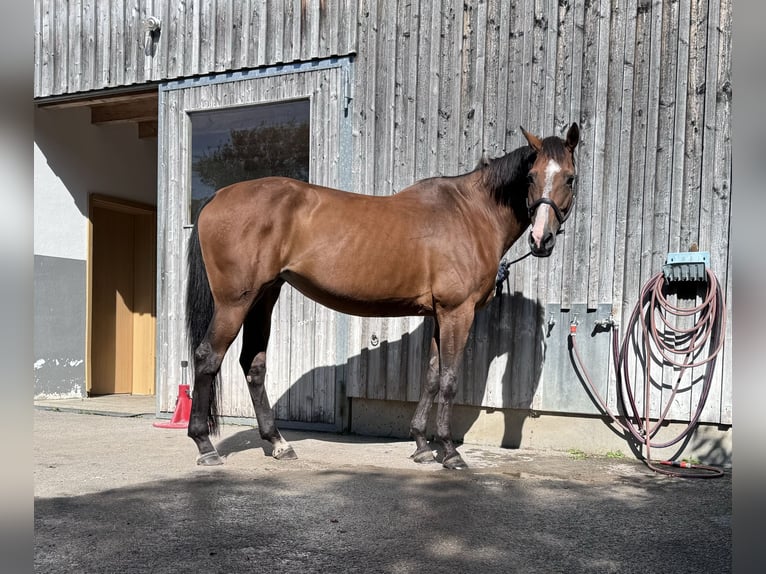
551, 196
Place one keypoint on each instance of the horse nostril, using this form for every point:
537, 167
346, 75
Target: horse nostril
549, 241
546, 243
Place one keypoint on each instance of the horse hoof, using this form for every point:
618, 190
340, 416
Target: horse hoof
423, 456
455, 462
285, 453
209, 459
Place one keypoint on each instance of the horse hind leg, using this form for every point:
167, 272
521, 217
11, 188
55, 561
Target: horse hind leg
423, 453
208, 357
255, 339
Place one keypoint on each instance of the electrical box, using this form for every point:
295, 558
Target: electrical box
686, 267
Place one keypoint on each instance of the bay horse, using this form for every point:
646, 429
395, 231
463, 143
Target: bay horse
431, 249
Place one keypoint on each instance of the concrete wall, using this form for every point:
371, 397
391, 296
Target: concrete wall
516, 428
72, 159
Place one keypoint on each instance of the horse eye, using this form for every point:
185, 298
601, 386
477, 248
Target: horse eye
571, 180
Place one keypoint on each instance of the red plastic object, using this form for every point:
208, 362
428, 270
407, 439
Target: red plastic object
180, 418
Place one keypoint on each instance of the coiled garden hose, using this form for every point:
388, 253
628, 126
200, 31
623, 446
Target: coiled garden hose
662, 341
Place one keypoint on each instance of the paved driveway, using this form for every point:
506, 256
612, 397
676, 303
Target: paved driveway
118, 495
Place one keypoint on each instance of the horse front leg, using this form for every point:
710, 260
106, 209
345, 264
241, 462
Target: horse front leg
423, 452
455, 327
447, 389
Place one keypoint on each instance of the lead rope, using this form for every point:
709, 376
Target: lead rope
503, 273
503, 270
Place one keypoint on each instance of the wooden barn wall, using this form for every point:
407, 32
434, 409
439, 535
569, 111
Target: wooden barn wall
439, 83
302, 357
84, 45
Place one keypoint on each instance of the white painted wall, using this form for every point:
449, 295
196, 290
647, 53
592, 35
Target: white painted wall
73, 158
60, 227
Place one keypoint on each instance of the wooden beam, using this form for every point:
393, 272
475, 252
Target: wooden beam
102, 99
129, 111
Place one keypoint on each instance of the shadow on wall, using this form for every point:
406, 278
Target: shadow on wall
501, 370
502, 373
87, 158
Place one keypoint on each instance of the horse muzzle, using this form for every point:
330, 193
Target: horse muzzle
543, 247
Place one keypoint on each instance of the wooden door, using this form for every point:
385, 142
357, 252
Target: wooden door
122, 317
307, 350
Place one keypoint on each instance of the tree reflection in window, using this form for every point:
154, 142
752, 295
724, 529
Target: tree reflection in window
237, 144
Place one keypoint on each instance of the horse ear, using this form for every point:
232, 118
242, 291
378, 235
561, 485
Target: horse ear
573, 137
533, 140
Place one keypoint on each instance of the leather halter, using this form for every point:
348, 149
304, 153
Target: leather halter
531, 208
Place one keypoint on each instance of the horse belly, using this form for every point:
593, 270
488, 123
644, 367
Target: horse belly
362, 298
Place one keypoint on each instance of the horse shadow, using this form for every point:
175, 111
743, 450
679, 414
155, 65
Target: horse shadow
502, 368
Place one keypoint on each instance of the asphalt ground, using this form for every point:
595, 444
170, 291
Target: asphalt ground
115, 494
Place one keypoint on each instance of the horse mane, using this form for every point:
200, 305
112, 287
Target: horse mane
505, 178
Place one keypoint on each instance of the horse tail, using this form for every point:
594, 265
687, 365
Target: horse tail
199, 313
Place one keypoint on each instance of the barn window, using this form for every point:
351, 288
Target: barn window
248, 142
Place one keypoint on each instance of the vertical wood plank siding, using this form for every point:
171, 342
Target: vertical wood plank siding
83, 45
649, 84
436, 85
